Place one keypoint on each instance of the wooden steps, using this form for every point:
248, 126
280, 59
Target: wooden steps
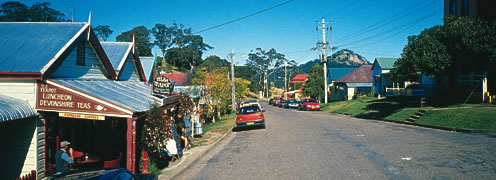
417, 115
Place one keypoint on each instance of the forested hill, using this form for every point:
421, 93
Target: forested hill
341, 59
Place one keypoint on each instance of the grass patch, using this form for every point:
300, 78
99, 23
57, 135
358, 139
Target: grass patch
483, 118
212, 131
469, 116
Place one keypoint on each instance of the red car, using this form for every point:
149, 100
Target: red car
309, 104
252, 115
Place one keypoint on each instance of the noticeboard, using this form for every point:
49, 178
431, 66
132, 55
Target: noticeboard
162, 86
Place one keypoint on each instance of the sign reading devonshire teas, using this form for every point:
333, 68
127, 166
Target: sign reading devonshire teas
52, 98
162, 86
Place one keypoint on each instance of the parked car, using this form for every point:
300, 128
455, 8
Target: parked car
291, 103
250, 116
276, 101
309, 104
271, 101
104, 174
281, 103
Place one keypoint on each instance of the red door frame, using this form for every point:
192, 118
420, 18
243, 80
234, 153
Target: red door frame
131, 145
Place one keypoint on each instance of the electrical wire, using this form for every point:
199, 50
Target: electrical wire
400, 28
388, 20
343, 8
244, 17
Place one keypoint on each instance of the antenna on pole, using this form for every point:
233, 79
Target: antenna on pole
89, 28
134, 46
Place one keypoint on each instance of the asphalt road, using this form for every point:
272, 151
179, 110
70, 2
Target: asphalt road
319, 145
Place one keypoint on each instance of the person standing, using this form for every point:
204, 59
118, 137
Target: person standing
185, 128
62, 159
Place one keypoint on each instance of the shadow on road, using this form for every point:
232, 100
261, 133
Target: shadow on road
249, 128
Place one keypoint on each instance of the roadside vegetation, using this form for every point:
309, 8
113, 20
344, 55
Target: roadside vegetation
213, 131
470, 116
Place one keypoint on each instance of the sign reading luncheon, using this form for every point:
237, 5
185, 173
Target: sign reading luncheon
49, 97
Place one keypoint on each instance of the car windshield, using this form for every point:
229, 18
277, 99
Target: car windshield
292, 100
311, 100
249, 110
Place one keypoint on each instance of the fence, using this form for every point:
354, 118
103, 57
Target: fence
404, 92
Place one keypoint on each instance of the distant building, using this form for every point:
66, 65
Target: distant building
380, 72
358, 82
179, 78
296, 85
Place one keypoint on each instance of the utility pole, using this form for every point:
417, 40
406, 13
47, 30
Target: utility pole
324, 47
285, 76
232, 82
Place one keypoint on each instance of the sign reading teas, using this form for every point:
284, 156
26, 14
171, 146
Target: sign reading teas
162, 85
53, 98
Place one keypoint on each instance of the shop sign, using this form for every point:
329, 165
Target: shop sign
57, 97
82, 116
162, 86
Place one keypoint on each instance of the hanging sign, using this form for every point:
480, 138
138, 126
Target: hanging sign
162, 86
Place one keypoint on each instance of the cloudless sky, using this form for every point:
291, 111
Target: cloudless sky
378, 28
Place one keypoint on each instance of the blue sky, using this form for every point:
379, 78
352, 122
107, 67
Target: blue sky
377, 28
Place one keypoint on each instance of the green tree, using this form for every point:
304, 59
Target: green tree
248, 73
103, 32
214, 62
186, 58
314, 87
142, 39
163, 37
435, 50
261, 61
15, 11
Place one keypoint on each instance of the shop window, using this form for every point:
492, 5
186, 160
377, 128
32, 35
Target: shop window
80, 61
452, 8
465, 8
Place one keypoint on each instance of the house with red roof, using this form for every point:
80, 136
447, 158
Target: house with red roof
355, 83
296, 85
179, 78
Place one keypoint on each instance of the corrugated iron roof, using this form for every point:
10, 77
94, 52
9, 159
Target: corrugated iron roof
363, 74
192, 91
336, 73
12, 108
148, 62
385, 63
29, 46
133, 95
179, 78
299, 78
359, 84
117, 52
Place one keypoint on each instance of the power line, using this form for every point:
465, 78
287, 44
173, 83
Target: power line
344, 7
411, 23
244, 17
395, 17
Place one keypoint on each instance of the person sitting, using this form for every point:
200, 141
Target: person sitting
62, 159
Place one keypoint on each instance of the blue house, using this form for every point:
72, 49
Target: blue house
380, 70
62, 71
